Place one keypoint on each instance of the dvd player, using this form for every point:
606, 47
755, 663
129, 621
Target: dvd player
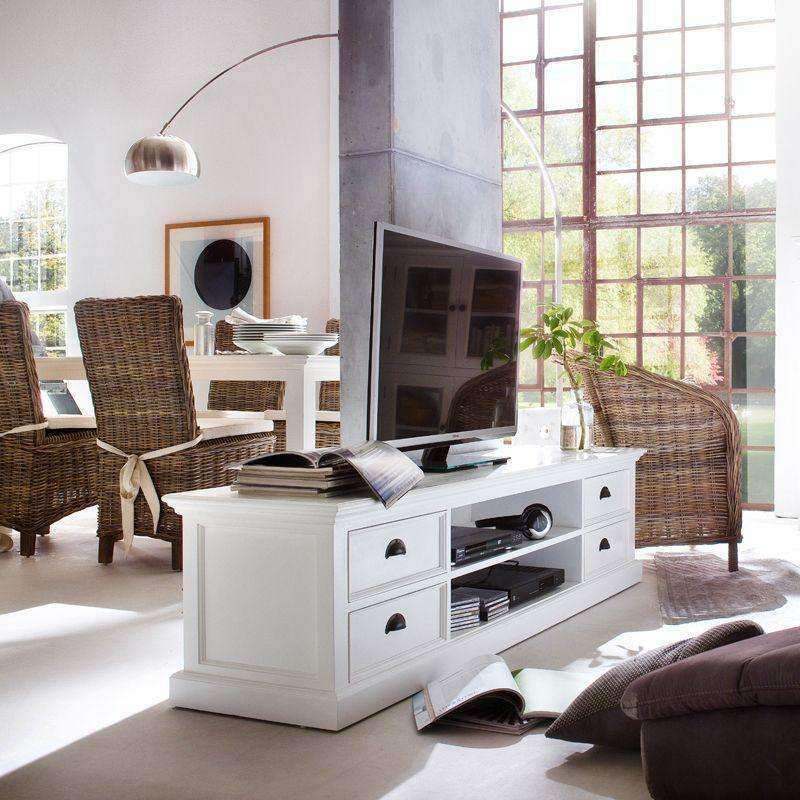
473, 544
523, 583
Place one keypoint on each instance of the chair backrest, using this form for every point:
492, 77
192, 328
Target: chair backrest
135, 358
688, 481
329, 390
20, 400
241, 395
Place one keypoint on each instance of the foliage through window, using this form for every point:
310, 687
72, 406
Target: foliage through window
33, 215
50, 326
656, 119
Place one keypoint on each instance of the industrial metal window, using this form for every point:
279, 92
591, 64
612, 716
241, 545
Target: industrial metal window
657, 119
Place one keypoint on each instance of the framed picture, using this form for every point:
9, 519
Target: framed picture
216, 266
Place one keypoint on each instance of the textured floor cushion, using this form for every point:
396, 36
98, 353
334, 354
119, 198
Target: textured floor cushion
595, 716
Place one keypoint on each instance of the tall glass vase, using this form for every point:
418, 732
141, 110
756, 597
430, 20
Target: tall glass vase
577, 423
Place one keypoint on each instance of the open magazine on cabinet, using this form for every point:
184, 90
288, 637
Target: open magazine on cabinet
484, 694
388, 473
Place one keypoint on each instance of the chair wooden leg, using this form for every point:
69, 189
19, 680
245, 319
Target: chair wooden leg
27, 543
733, 556
105, 549
177, 556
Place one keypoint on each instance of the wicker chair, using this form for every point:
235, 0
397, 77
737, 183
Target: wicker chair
45, 474
688, 483
269, 395
138, 374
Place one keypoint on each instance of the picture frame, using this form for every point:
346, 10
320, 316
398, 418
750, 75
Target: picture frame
217, 265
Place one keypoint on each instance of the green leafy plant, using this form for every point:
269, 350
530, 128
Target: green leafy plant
572, 342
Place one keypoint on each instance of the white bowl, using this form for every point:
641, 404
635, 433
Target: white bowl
257, 347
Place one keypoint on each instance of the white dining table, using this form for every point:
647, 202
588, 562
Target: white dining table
301, 375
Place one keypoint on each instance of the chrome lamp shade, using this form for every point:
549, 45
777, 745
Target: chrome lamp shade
162, 160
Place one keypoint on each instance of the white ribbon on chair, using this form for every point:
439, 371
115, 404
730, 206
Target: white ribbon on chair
135, 477
36, 426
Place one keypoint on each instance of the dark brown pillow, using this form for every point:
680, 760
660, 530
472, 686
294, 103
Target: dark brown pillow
595, 715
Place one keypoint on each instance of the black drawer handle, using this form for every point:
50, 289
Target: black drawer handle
397, 622
605, 544
397, 547
605, 492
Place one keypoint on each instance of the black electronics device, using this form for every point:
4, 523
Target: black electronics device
523, 583
535, 522
473, 544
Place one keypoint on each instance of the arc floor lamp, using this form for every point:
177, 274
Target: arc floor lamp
166, 160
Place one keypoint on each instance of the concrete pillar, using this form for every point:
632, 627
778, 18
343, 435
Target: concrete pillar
419, 127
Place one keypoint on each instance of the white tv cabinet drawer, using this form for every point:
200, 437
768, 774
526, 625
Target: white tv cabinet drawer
607, 547
606, 495
397, 553
388, 633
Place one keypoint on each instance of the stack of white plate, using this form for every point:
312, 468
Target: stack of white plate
289, 340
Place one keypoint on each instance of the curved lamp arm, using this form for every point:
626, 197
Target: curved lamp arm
551, 189
166, 160
247, 58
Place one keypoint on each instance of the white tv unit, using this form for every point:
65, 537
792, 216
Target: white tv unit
292, 606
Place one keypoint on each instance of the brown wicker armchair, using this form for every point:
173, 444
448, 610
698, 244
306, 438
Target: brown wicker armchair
44, 474
269, 395
138, 374
688, 483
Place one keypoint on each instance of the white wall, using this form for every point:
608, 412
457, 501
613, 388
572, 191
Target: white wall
99, 74
787, 293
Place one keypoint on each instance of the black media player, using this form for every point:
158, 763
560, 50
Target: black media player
473, 544
523, 583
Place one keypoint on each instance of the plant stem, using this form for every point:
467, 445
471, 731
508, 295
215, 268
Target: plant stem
574, 384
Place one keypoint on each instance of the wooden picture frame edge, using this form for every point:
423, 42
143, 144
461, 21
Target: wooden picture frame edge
265, 258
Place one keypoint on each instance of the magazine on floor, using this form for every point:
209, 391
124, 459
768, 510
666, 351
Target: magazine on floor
387, 472
485, 695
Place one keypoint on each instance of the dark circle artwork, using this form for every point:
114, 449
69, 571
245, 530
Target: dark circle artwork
223, 274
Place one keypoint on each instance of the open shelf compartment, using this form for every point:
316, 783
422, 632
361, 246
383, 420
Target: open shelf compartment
563, 546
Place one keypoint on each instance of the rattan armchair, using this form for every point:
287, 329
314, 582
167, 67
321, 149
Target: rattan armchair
688, 483
269, 395
44, 474
138, 373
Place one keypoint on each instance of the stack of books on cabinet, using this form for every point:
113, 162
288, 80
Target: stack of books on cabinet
257, 479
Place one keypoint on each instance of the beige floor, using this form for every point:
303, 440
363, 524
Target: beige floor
85, 653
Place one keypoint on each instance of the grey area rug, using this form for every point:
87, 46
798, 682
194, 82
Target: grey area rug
698, 586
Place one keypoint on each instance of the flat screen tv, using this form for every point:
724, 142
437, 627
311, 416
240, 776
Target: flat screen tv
444, 341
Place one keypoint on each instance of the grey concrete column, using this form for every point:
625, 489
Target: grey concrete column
419, 127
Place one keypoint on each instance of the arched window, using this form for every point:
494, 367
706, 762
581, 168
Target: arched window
33, 229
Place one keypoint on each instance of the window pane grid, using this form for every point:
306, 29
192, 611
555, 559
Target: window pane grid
33, 218
678, 255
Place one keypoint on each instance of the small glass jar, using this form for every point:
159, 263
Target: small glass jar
577, 424
203, 334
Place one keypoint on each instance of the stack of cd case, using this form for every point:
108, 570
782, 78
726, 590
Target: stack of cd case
465, 608
494, 602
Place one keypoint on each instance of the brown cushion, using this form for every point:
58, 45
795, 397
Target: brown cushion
595, 716
764, 671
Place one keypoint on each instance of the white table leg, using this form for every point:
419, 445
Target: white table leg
6, 542
301, 409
